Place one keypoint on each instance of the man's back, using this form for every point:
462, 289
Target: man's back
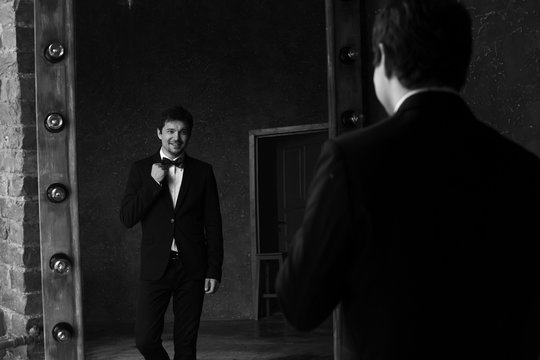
440, 236
454, 213
425, 226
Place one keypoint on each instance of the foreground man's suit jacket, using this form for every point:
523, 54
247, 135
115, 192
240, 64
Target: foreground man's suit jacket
195, 222
426, 227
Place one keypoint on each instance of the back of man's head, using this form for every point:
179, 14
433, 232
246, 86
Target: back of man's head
426, 42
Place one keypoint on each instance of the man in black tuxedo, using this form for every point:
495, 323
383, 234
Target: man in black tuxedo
175, 198
424, 226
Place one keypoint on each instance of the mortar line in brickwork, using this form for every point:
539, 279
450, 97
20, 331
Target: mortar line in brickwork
18, 126
11, 312
16, 267
26, 222
29, 246
8, 50
22, 24
18, 246
20, 198
21, 150
25, 173
9, 197
16, 198
25, 293
27, 75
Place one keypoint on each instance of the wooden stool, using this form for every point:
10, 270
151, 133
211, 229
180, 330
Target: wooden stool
266, 293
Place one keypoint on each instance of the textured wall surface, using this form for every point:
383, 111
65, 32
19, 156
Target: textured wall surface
504, 80
20, 271
237, 66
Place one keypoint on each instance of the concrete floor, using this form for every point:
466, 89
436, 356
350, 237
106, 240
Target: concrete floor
266, 339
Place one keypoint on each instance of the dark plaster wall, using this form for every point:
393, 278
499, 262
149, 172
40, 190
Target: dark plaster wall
504, 79
237, 65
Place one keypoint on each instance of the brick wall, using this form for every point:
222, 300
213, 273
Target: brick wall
20, 277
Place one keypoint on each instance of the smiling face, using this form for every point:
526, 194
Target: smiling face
174, 137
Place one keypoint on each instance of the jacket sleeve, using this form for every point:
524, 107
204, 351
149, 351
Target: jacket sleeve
312, 279
213, 227
141, 191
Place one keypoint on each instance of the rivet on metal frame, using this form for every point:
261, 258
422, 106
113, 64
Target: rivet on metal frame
57, 193
348, 55
55, 52
351, 118
54, 122
60, 264
62, 332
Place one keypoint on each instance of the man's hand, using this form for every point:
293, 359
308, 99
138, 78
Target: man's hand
158, 172
210, 286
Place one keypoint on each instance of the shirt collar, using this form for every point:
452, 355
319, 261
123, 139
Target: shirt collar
162, 155
421, 90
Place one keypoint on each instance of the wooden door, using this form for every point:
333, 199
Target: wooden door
282, 164
296, 158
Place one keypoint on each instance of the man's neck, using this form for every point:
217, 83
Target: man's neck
395, 91
410, 93
165, 153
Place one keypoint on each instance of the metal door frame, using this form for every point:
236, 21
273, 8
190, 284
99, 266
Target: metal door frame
349, 83
54, 36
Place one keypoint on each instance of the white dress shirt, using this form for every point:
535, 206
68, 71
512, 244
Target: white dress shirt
174, 178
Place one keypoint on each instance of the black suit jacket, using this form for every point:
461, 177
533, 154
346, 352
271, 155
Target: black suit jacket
195, 222
426, 227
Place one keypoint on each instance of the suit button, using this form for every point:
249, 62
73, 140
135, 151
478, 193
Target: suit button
172, 221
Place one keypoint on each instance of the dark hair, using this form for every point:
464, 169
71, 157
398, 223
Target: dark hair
175, 113
426, 42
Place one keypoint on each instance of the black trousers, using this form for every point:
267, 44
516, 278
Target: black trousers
153, 299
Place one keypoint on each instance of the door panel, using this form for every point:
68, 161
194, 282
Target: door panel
296, 161
282, 163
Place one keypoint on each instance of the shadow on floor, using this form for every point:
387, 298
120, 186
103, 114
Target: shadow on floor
266, 339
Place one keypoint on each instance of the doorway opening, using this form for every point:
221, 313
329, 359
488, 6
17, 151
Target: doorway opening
282, 165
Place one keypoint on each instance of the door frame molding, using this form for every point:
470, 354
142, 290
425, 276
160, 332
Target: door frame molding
254, 137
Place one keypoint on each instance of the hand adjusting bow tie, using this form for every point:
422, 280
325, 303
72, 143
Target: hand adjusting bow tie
168, 162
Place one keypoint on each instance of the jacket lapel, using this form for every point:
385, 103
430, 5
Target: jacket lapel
186, 179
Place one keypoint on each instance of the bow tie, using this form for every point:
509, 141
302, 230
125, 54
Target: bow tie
168, 162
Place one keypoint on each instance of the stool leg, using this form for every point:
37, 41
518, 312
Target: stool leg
267, 288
